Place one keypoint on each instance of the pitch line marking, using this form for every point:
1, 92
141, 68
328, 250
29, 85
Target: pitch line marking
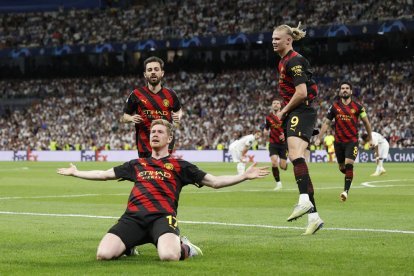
58, 196
218, 223
363, 185
368, 183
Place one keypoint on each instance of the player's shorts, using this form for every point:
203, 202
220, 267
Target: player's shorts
278, 149
300, 122
133, 231
345, 150
383, 149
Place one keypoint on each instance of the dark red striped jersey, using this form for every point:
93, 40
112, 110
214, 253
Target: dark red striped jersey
150, 106
346, 120
276, 129
294, 69
158, 183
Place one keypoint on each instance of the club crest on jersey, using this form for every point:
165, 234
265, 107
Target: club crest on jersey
169, 166
166, 103
352, 110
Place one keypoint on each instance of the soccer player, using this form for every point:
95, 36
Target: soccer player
151, 213
239, 148
329, 145
277, 143
151, 102
298, 90
381, 147
346, 112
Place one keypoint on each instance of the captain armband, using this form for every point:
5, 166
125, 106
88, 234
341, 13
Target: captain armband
363, 114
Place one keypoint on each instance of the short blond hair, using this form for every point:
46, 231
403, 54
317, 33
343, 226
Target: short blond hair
165, 123
295, 32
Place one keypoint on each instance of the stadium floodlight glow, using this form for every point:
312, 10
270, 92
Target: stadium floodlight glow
259, 42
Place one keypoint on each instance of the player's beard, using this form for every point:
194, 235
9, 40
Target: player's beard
345, 97
153, 82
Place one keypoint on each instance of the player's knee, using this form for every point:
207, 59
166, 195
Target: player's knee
294, 156
283, 166
104, 255
169, 255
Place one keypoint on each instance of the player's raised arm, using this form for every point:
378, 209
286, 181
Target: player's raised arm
90, 175
325, 125
221, 181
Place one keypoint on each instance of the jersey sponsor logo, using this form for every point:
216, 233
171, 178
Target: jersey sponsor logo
276, 125
159, 175
166, 103
169, 166
155, 114
343, 117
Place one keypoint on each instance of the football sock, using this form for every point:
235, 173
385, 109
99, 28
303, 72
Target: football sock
185, 251
312, 216
343, 170
349, 175
300, 169
311, 198
240, 168
380, 163
276, 175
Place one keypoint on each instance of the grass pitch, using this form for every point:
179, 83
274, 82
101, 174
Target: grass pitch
51, 224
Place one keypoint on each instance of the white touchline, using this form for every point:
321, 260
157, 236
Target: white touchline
363, 185
368, 183
216, 223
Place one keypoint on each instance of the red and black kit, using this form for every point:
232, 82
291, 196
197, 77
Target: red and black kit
294, 70
277, 146
346, 120
153, 201
150, 106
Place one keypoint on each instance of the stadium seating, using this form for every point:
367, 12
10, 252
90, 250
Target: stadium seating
217, 107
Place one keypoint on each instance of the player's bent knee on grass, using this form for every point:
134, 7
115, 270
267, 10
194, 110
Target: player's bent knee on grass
110, 247
169, 247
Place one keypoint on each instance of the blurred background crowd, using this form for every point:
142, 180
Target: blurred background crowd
163, 20
217, 107
72, 113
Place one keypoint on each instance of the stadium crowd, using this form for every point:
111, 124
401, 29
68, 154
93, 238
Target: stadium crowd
193, 18
84, 113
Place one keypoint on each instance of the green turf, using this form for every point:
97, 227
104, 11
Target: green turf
252, 239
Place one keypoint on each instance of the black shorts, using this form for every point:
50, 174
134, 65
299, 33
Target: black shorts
300, 122
133, 231
278, 149
346, 150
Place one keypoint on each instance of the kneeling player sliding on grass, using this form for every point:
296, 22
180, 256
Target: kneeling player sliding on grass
150, 216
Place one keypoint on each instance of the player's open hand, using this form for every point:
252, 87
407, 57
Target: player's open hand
256, 172
67, 171
176, 117
317, 142
136, 119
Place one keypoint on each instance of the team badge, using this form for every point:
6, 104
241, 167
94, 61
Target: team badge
352, 110
169, 166
166, 103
